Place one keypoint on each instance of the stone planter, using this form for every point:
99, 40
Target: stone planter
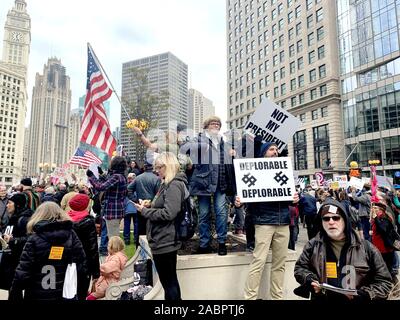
208, 276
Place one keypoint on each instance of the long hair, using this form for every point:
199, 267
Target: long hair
170, 161
48, 211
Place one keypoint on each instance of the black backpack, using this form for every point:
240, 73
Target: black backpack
186, 220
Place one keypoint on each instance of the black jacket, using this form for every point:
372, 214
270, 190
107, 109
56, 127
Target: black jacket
35, 267
86, 232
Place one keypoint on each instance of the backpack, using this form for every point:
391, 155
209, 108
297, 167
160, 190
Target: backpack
186, 219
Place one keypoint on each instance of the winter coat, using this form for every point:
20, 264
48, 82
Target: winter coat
33, 199
373, 280
364, 201
161, 217
59, 195
49, 197
110, 271
212, 167
36, 267
308, 205
3, 214
384, 233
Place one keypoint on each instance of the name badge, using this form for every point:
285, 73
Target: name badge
331, 270
56, 253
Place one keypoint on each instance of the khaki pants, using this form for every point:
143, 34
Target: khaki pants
276, 238
113, 227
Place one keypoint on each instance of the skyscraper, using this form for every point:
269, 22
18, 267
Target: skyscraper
51, 105
165, 73
200, 108
73, 132
286, 50
13, 95
370, 81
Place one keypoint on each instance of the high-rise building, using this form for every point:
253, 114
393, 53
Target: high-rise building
51, 105
73, 132
200, 108
165, 73
370, 81
13, 95
286, 50
25, 153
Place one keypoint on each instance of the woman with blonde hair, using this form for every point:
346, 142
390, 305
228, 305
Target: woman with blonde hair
51, 246
161, 226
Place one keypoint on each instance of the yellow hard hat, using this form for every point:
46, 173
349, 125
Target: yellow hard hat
354, 165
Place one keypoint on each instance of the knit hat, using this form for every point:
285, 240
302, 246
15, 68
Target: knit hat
20, 201
26, 182
264, 148
79, 202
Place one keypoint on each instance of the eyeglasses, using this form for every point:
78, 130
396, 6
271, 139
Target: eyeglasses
334, 218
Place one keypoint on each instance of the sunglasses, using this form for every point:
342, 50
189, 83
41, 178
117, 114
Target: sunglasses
334, 218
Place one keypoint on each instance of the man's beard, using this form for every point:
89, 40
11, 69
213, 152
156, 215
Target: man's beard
335, 234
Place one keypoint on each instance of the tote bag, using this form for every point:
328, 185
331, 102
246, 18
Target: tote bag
70, 282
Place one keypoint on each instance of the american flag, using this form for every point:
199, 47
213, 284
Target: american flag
84, 159
95, 129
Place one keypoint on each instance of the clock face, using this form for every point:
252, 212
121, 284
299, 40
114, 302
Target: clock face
16, 36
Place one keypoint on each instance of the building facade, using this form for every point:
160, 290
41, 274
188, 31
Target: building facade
286, 51
13, 92
73, 132
370, 81
166, 73
200, 108
49, 126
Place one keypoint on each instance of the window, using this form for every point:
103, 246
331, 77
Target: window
314, 114
324, 112
309, 21
299, 46
303, 117
275, 44
293, 102
276, 76
300, 63
309, 4
311, 57
310, 39
320, 33
313, 94
322, 71
292, 67
298, 11
273, 14
275, 60
313, 75
290, 17
282, 56
321, 52
301, 99
281, 39
319, 15
276, 92
300, 150
298, 28
274, 29
283, 89
321, 146
282, 72
291, 34
322, 90
293, 84
291, 50
301, 81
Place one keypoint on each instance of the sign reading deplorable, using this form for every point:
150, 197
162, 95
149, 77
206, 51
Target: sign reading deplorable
273, 124
264, 179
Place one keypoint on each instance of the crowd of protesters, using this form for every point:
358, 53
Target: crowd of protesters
344, 227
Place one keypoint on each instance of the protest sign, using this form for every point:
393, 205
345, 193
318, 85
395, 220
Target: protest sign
94, 169
320, 178
314, 184
334, 185
356, 183
384, 182
343, 181
273, 124
264, 180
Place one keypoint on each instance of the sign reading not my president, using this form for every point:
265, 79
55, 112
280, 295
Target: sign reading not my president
273, 124
264, 179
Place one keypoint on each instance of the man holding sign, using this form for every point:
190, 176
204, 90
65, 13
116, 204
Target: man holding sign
271, 220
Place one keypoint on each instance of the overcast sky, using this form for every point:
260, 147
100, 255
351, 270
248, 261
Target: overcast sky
125, 30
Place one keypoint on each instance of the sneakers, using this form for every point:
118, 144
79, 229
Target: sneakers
222, 249
205, 250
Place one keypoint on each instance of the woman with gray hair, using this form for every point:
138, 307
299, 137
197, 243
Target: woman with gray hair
51, 246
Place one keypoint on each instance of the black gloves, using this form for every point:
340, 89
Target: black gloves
100, 170
89, 173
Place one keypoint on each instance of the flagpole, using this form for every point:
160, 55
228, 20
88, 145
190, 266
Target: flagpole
105, 73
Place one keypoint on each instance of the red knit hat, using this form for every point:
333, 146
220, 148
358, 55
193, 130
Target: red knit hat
79, 202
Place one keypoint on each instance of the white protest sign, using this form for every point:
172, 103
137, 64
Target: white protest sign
264, 180
93, 168
273, 124
366, 180
314, 184
342, 181
356, 183
385, 181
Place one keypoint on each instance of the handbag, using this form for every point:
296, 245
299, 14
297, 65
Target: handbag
70, 282
144, 268
6, 269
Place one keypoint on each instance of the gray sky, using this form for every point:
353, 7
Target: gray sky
125, 30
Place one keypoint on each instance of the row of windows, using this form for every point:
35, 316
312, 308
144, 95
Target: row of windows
10, 79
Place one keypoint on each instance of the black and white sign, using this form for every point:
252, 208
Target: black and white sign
273, 124
264, 179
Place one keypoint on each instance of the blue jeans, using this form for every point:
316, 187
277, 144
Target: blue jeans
365, 227
104, 237
221, 216
127, 225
